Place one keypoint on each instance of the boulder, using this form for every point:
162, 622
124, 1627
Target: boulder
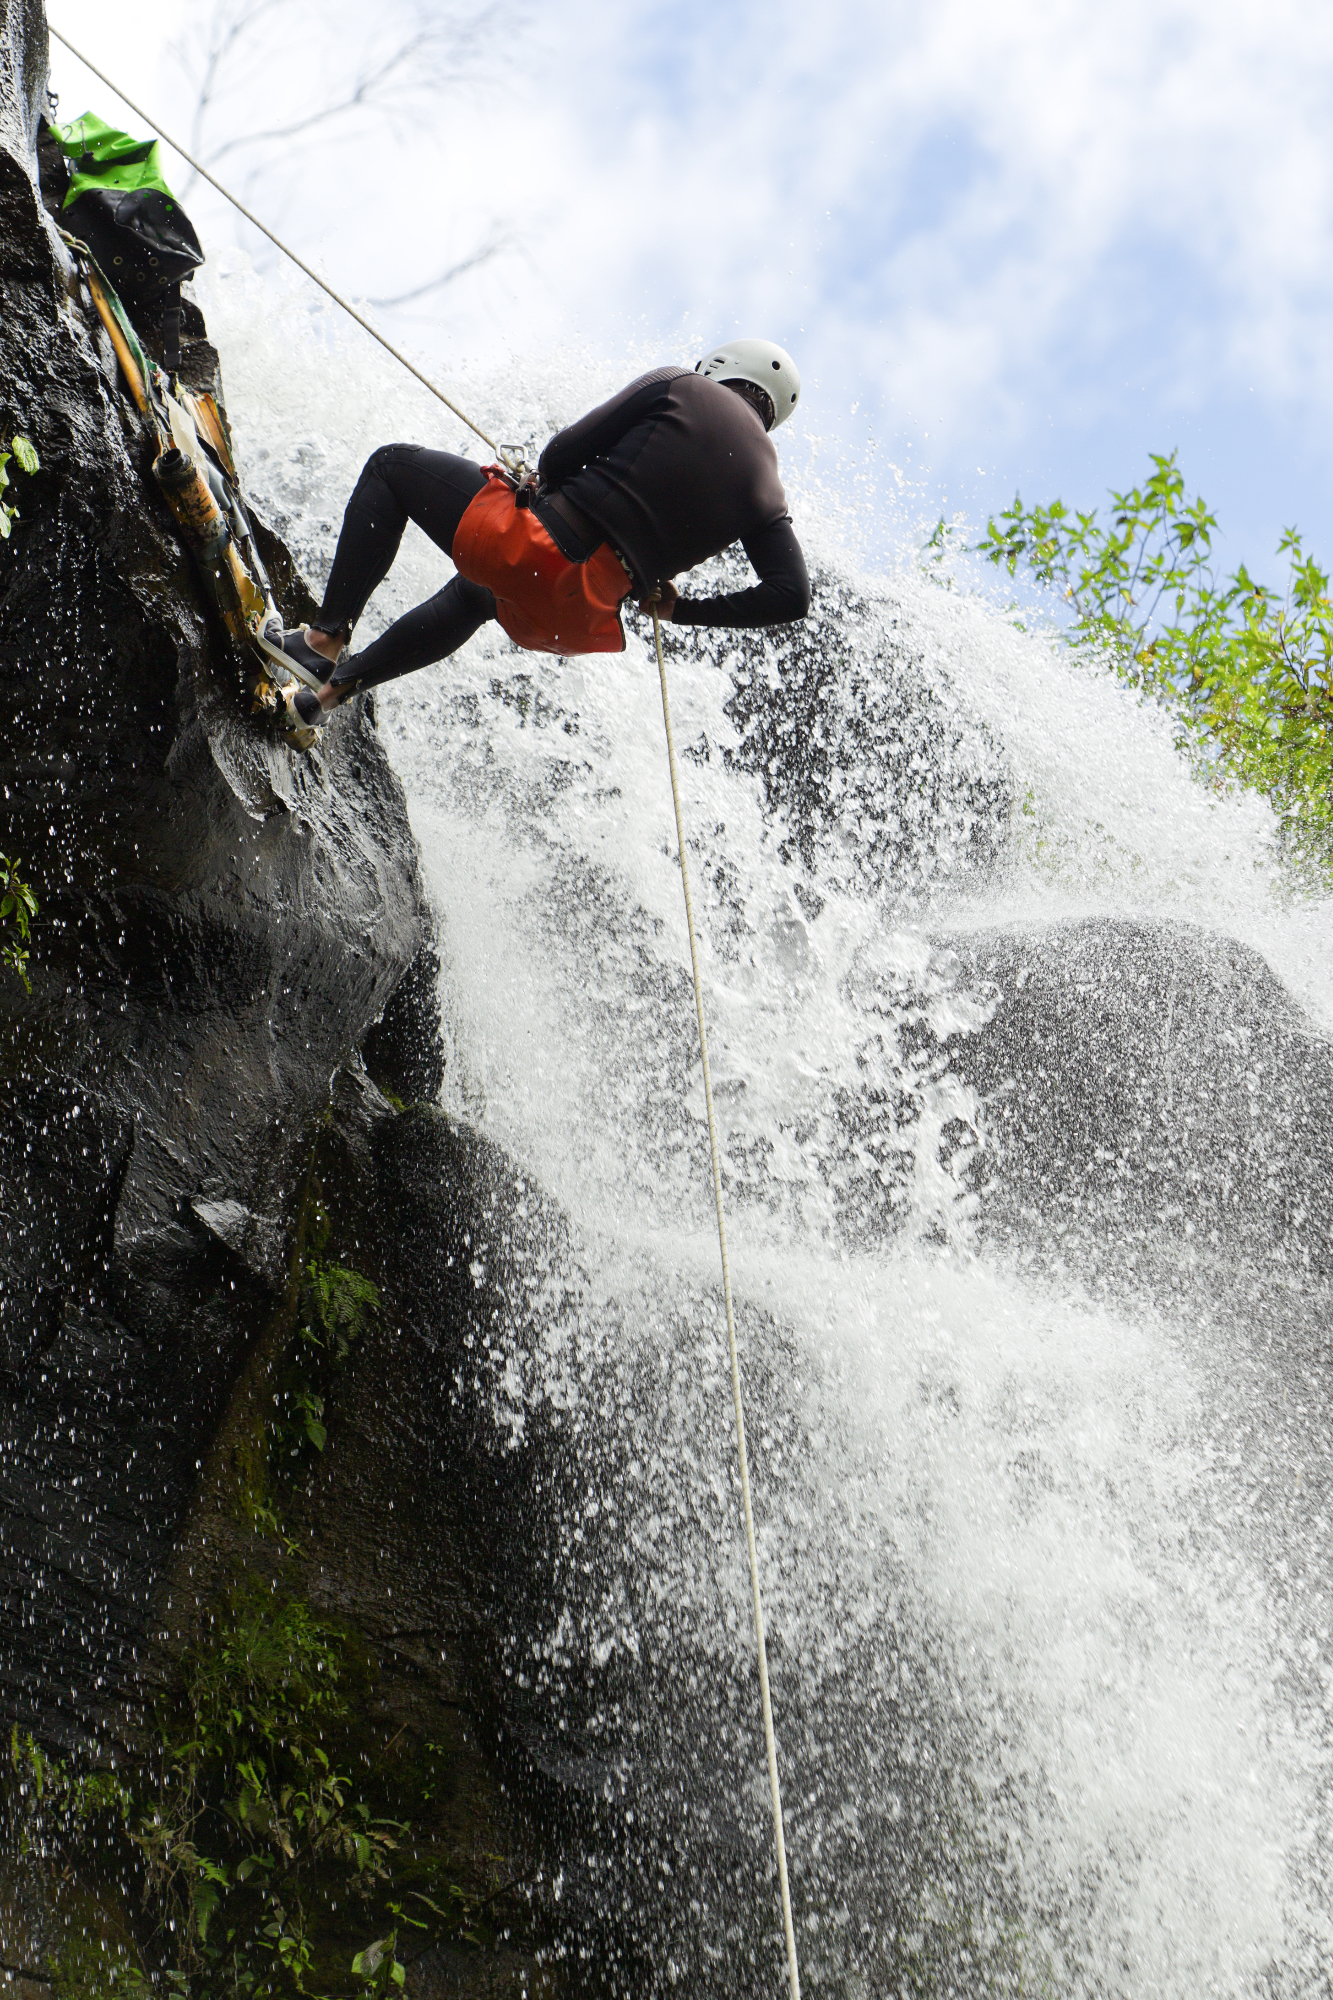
1147, 1088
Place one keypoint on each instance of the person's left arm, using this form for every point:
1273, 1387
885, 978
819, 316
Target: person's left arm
781, 595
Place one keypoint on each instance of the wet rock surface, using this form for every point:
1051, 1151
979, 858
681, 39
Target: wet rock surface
221, 922
571, 1449
1156, 1121
1144, 1081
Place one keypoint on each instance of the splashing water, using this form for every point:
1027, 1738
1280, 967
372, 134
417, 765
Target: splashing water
1010, 1521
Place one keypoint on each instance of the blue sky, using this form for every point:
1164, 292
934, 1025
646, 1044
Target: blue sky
1010, 247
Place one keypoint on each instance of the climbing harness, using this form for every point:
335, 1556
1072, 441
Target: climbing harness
212, 538
793, 1971
511, 459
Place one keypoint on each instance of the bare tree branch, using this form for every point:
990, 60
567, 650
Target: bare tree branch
438, 55
227, 27
363, 92
482, 256
413, 51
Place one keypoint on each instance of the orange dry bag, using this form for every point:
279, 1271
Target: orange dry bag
544, 602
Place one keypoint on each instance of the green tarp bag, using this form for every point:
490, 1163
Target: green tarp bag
121, 207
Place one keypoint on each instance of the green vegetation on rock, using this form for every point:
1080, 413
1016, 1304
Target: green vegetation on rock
20, 451
334, 1306
18, 906
1246, 670
267, 1837
235, 1830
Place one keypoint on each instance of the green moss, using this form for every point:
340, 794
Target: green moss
277, 1420
274, 1834
270, 1840
334, 1306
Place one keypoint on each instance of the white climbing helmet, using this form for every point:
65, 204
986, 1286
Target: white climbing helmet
762, 362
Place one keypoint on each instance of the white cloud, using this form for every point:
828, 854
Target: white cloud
979, 221
966, 190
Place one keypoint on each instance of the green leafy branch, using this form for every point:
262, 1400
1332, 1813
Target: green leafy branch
240, 1831
332, 1309
336, 1306
18, 906
20, 449
55, 1803
379, 1967
243, 1810
1247, 670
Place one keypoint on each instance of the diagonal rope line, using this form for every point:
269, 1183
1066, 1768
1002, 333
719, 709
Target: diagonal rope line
264, 230
793, 1971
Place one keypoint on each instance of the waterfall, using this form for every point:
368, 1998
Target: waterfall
1039, 1457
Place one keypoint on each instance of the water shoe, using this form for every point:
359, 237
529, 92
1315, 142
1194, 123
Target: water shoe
298, 716
297, 647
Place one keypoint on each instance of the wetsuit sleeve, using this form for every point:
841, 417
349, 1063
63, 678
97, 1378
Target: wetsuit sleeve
594, 435
781, 594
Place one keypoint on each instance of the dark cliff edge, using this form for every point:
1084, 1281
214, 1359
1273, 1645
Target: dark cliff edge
232, 939
221, 923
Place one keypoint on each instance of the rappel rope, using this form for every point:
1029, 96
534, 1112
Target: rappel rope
514, 462
775, 1789
510, 458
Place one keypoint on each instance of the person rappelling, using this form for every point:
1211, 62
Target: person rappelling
674, 469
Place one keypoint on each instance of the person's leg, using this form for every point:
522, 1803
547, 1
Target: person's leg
400, 483
427, 633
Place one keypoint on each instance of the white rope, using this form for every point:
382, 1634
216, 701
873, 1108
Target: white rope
793, 1971
510, 458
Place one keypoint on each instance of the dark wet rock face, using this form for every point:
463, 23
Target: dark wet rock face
575, 1445
1145, 1081
558, 1438
221, 922
1112, 1094
1132, 1090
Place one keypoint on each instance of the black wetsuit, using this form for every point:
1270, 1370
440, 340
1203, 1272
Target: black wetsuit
671, 471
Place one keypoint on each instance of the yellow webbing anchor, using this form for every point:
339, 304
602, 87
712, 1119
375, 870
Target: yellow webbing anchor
793, 1971
124, 352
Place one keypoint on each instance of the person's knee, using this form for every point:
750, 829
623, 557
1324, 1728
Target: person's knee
382, 462
476, 599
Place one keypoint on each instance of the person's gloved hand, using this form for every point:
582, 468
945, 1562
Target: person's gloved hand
663, 601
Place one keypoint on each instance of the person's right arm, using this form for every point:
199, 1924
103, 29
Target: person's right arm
594, 435
781, 595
